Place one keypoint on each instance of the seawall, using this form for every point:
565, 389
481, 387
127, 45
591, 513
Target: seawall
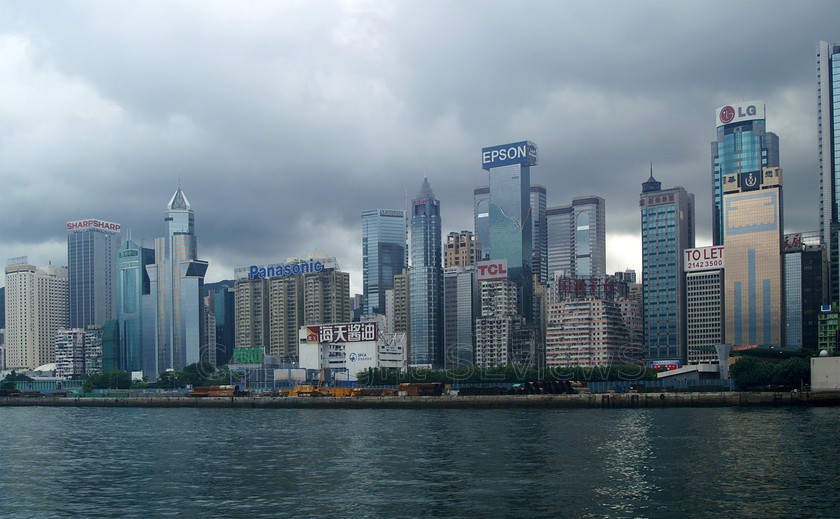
587, 401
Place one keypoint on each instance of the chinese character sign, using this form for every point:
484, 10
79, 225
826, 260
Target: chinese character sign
340, 333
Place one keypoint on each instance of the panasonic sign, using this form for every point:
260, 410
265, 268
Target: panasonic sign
273, 271
524, 153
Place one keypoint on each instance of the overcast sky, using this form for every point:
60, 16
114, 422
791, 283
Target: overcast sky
284, 120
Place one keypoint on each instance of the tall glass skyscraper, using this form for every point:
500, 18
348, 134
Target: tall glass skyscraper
828, 136
667, 230
132, 284
91, 265
539, 250
577, 238
511, 229
426, 281
743, 145
481, 219
383, 255
177, 285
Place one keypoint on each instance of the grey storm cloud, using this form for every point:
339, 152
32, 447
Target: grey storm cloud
282, 121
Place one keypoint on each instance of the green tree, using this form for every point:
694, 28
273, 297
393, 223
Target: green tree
11, 378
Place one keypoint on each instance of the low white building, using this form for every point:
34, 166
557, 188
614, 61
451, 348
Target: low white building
351, 348
825, 373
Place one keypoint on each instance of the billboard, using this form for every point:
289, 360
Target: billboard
665, 365
492, 270
524, 152
793, 242
247, 356
739, 112
339, 333
703, 258
83, 225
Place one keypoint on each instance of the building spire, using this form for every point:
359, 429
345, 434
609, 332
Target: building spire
179, 201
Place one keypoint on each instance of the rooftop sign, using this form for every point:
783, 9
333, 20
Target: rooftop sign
83, 225
524, 152
739, 112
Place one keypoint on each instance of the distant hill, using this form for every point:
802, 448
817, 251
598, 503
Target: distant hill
218, 284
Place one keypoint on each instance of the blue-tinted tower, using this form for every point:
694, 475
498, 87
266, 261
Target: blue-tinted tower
132, 284
667, 230
742, 146
828, 138
426, 280
511, 228
383, 255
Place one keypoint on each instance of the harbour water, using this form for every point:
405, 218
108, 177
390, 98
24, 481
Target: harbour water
188, 462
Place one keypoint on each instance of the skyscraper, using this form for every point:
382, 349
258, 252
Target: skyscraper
577, 237
426, 281
132, 284
753, 229
828, 138
511, 229
91, 266
462, 249
539, 239
743, 145
177, 285
481, 219
36, 307
383, 255
461, 306
667, 230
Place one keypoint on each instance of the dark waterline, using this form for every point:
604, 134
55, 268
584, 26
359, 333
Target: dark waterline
686, 462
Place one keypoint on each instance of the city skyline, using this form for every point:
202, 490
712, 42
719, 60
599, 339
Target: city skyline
250, 125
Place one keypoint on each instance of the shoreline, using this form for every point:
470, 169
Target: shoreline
585, 401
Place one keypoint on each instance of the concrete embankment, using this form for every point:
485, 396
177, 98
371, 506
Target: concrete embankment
591, 401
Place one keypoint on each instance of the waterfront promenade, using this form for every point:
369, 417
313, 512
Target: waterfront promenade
586, 400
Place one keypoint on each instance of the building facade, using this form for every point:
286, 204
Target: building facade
272, 303
461, 306
577, 237
383, 255
753, 231
704, 314
743, 145
481, 219
667, 230
176, 290
37, 302
426, 282
461, 249
511, 226
828, 139
539, 245
133, 290
91, 268
804, 288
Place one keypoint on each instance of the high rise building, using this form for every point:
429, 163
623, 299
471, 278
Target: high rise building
383, 255
539, 244
91, 265
828, 139
499, 332
273, 302
743, 145
667, 230
704, 274
461, 306
804, 288
176, 288
511, 228
481, 219
753, 231
577, 237
461, 249
36, 307
426, 281
136, 342
223, 303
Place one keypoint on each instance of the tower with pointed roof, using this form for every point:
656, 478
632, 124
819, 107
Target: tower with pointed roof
177, 283
425, 280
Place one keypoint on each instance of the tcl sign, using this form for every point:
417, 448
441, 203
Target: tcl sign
492, 270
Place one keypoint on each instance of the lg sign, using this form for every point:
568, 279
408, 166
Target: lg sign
492, 270
740, 112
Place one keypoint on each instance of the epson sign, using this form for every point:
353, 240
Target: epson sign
524, 152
